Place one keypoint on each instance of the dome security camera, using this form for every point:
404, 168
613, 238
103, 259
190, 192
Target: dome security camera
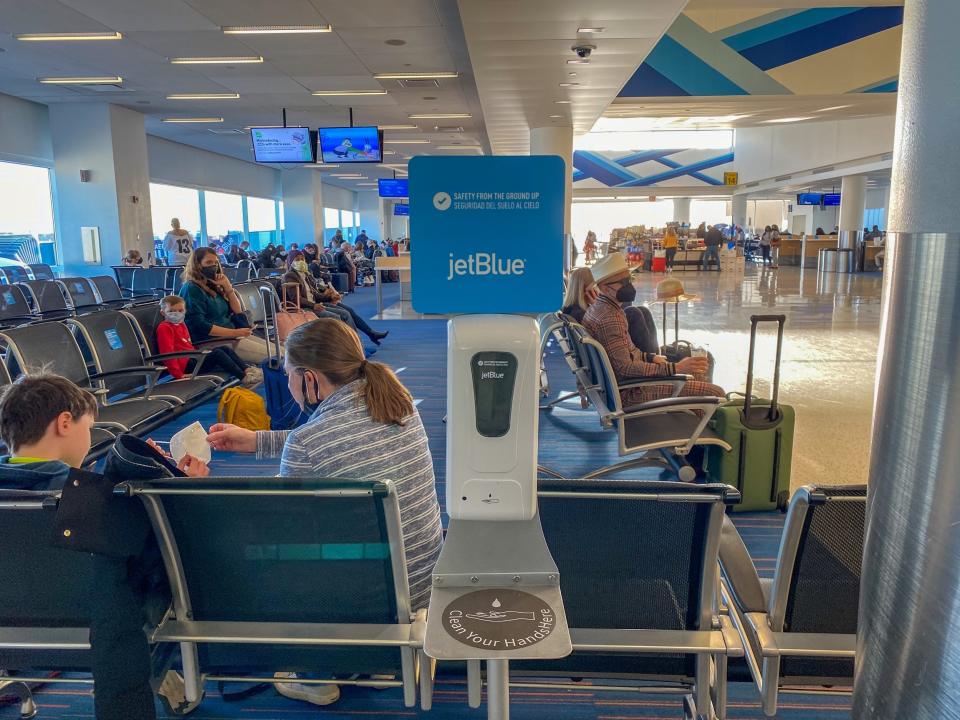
583, 51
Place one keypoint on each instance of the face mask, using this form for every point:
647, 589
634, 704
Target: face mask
300, 266
308, 407
175, 316
210, 272
627, 293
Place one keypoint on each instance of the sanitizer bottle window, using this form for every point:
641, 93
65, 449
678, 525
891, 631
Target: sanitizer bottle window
494, 375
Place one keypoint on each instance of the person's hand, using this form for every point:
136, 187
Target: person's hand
319, 307
591, 294
231, 438
242, 332
692, 366
156, 447
193, 467
223, 282
660, 359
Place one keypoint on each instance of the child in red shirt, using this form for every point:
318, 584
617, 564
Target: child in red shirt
173, 336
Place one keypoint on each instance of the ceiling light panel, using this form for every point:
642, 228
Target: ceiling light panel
399, 127
592, 30
347, 93
275, 29
109, 80
60, 37
192, 120
204, 96
443, 75
236, 60
441, 116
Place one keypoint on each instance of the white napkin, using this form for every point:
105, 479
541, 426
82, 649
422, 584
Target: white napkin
191, 440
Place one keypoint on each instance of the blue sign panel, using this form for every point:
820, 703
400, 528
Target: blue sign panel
401, 209
487, 234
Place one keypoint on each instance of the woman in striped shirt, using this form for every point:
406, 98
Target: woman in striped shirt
363, 426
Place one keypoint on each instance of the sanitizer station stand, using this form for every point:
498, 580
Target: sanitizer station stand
496, 589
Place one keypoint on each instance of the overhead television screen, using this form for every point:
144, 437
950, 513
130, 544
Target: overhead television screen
831, 199
401, 209
393, 188
351, 144
282, 145
809, 199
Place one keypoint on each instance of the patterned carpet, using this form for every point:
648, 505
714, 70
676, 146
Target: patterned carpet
571, 440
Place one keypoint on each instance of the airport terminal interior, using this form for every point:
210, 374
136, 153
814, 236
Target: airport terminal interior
479, 358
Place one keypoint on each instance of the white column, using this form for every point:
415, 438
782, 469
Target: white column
681, 210
303, 206
386, 218
853, 202
739, 210
556, 141
111, 143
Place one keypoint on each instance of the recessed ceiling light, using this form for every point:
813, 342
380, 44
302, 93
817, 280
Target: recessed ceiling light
406, 142
110, 80
389, 152
345, 93
556, 117
192, 120
396, 42
204, 96
789, 120
57, 37
835, 107
590, 29
440, 116
346, 176
235, 60
569, 84
578, 61
442, 75
562, 102
572, 74
275, 29
399, 127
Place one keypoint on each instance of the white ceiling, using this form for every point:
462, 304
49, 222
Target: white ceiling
155, 30
519, 50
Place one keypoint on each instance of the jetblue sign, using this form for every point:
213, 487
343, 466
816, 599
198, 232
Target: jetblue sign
487, 234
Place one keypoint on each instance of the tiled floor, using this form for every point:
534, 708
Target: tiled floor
829, 353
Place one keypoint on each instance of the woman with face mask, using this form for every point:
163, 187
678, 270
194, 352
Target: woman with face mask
213, 308
323, 299
330, 378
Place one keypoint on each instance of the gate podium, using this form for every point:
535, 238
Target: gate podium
487, 245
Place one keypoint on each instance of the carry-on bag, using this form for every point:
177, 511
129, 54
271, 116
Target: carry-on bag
680, 349
760, 435
283, 410
291, 315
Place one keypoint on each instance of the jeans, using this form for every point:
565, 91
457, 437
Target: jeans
711, 251
671, 252
222, 359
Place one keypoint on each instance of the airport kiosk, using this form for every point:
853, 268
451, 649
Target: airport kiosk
488, 249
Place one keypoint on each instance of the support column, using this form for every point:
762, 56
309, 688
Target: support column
739, 210
303, 206
909, 605
111, 143
558, 141
681, 210
853, 203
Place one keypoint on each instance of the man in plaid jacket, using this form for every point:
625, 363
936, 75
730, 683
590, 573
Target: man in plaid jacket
607, 323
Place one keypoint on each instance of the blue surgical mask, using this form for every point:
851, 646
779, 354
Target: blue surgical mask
175, 316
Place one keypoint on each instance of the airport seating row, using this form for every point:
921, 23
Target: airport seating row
658, 433
307, 575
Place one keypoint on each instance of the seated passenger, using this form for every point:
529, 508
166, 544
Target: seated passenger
582, 293
607, 323
133, 258
173, 336
213, 308
45, 422
329, 377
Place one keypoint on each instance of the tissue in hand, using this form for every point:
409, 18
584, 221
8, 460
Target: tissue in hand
191, 440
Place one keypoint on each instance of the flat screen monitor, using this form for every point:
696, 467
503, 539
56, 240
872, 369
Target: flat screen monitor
393, 188
282, 145
831, 199
809, 199
351, 145
401, 209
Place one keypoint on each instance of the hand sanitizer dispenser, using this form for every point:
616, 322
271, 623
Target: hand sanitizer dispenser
492, 372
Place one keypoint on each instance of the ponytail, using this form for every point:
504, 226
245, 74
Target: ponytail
330, 347
388, 400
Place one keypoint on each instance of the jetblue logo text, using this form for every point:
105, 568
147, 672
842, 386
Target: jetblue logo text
482, 263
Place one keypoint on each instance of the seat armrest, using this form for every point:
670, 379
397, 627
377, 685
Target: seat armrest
146, 370
741, 574
674, 403
419, 629
194, 354
765, 637
655, 380
214, 342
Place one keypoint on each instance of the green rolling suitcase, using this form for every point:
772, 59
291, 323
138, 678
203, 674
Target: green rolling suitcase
760, 435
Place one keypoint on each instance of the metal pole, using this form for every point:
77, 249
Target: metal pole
908, 658
498, 690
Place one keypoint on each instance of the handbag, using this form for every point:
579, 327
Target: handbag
291, 315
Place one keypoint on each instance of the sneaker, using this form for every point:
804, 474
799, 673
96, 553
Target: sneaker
315, 694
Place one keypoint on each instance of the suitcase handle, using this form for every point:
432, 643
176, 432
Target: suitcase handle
755, 321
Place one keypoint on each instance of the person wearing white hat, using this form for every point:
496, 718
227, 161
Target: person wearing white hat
606, 321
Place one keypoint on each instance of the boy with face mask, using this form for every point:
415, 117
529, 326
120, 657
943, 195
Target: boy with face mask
173, 337
606, 321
